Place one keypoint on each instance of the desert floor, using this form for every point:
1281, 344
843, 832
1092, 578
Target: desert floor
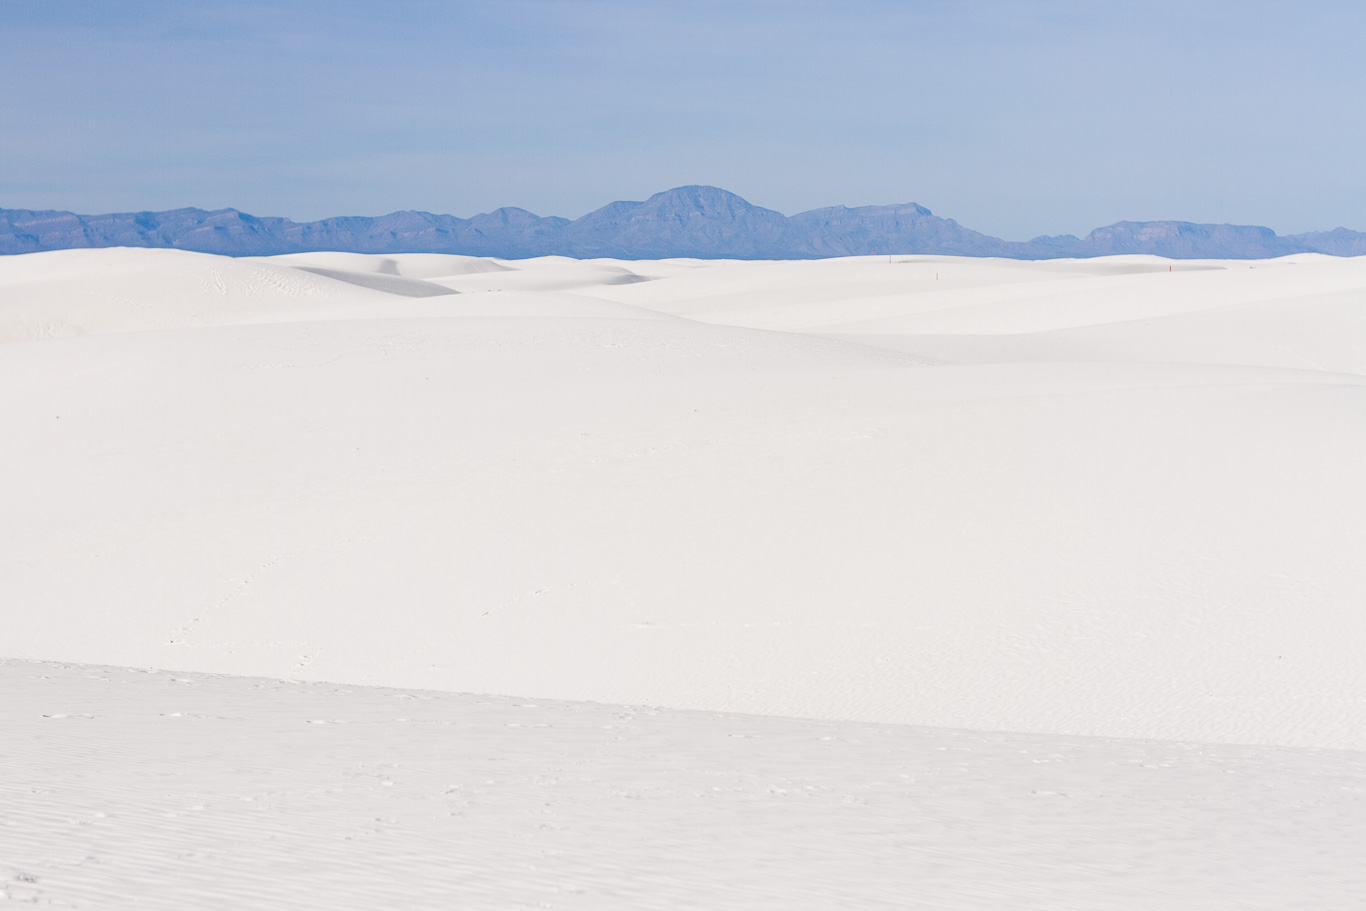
909, 582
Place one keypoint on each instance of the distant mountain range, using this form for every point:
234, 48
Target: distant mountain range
693, 221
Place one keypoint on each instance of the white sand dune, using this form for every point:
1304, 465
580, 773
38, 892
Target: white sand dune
954, 295
390, 284
1289, 332
409, 265
1144, 520
182, 791
1073, 500
94, 292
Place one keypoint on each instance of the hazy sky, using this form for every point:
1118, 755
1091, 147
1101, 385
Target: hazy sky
1016, 118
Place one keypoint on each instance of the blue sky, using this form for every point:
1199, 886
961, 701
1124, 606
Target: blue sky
1016, 118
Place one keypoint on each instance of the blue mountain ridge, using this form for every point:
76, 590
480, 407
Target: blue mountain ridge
692, 221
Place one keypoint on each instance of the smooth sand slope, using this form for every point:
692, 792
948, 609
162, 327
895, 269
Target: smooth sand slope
180, 791
1085, 498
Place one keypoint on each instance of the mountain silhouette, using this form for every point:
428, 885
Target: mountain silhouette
691, 221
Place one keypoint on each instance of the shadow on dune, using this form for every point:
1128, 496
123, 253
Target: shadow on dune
390, 284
